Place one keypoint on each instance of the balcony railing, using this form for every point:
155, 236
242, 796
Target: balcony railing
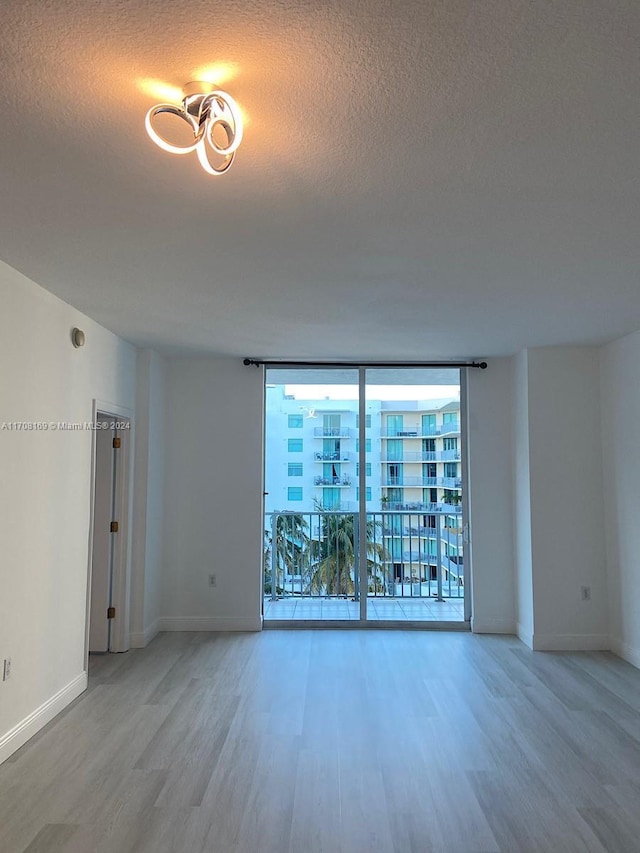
332, 432
332, 457
407, 480
424, 532
317, 554
420, 431
423, 456
446, 508
343, 482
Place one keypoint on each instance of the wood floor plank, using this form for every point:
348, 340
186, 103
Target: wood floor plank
335, 742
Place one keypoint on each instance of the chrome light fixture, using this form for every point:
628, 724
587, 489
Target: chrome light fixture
216, 122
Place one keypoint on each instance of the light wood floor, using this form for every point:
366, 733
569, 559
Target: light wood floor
345, 742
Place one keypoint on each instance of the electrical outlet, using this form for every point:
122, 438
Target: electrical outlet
585, 593
212, 580
6, 669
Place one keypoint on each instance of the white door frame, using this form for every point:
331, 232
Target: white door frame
121, 582
466, 503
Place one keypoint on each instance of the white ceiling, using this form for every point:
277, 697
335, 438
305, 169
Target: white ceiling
419, 178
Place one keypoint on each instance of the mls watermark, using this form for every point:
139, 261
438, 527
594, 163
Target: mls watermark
61, 426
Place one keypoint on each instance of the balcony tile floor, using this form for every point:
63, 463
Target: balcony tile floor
387, 609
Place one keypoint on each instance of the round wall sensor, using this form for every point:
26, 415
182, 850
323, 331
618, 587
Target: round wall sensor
77, 338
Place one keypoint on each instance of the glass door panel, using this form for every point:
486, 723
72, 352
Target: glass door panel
415, 560
311, 506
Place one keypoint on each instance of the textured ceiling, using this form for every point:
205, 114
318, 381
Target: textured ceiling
419, 178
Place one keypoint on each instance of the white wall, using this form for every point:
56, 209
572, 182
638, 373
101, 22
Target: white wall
567, 507
45, 495
522, 499
148, 499
489, 419
620, 369
213, 498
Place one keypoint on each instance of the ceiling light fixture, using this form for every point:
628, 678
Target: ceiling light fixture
216, 122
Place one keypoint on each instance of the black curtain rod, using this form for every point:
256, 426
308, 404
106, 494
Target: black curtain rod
354, 364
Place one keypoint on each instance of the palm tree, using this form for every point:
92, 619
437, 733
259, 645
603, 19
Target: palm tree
333, 555
292, 549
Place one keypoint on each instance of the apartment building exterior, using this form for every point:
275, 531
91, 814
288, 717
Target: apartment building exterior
413, 472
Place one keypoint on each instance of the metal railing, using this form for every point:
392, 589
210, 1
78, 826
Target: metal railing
332, 481
332, 432
408, 480
420, 431
316, 554
332, 457
423, 456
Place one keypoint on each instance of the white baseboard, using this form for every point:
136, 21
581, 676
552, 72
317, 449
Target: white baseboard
571, 642
629, 653
492, 626
140, 639
210, 623
27, 728
524, 636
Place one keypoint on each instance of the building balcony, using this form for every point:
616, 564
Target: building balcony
341, 482
451, 428
342, 507
418, 431
429, 508
424, 482
332, 432
423, 456
332, 457
411, 532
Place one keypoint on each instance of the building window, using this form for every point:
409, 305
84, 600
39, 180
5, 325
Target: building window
367, 494
450, 421
367, 421
367, 445
294, 421
450, 469
449, 443
394, 475
331, 499
331, 425
367, 469
294, 445
395, 425
294, 493
395, 450
294, 469
428, 424
330, 449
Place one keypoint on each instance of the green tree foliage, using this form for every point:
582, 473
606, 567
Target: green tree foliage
333, 563
292, 549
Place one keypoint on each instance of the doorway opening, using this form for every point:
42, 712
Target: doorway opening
107, 610
364, 518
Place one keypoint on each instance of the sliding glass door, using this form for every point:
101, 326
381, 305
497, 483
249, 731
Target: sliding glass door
364, 483
416, 572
